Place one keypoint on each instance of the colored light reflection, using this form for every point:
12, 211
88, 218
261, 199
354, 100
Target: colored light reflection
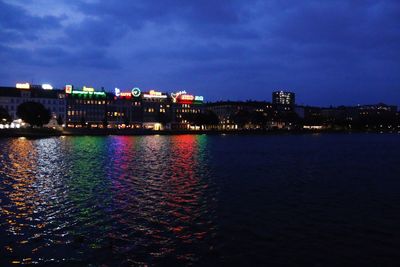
76, 195
158, 181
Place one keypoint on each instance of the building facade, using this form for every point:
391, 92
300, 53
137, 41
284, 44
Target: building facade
130, 108
52, 99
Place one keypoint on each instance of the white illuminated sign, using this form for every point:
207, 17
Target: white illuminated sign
23, 86
136, 92
154, 94
117, 91
47, 86
198, 98
87, 89
68, 89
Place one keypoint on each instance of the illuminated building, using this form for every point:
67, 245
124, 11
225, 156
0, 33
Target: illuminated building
283, 98
156, 107
53, 100
86, 107
184, 107
125, 109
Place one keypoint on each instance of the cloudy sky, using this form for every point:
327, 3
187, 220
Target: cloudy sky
328, 52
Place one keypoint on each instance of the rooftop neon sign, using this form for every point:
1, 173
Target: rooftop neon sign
87, 89
68, 89
176, 95
47, 86
198, 99
154, 94
88, 94
23, 86
126, 95
117, 91
136, 92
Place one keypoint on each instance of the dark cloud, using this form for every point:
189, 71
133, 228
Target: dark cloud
329, 52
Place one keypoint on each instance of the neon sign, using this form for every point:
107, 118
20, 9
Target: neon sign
68, 89
117, 91
23, 86
198, 99
175, 95
87, 89
47, 86
120, 94
136, 92
88, 94
154, 94
125, 95
187, 97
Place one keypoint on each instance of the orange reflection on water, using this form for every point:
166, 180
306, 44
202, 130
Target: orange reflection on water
18, 195
21, 153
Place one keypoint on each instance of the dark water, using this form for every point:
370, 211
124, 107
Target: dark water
285, 200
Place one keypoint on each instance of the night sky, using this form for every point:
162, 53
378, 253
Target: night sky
328, 52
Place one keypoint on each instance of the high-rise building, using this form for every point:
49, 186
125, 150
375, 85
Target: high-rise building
283, 98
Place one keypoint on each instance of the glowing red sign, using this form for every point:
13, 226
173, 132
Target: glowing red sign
126, 95
185, 99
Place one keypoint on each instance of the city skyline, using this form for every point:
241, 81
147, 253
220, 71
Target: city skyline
328, 53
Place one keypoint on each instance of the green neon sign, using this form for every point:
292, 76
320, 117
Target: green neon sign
88, 94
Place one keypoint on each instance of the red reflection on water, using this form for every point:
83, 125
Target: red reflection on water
185, 197
158, 193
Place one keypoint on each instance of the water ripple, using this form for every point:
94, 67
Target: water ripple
328, 200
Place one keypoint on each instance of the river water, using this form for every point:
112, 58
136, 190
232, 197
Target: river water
203, 200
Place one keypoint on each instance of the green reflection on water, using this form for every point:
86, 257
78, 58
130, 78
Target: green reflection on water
88, 185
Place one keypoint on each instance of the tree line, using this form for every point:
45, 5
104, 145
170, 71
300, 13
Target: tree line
33, 113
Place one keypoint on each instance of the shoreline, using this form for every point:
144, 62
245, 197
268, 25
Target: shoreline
44, 132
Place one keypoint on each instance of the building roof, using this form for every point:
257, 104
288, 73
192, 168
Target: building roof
35, 92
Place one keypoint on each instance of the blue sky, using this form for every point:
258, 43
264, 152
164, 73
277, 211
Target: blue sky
328, 52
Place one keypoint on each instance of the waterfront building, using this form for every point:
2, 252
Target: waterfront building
86, 107
185, 110
125, 109
155, 108
242, 114
51, 99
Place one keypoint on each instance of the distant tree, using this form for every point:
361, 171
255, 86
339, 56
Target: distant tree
4, 116
33, 113
60, 120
